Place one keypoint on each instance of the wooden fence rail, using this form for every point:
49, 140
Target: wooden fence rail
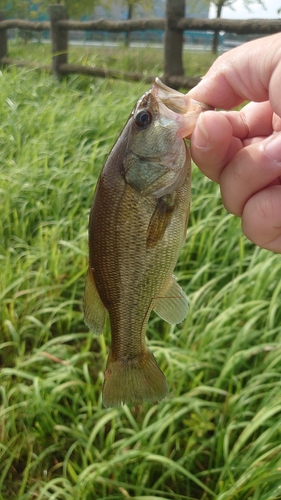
242, 26
173, 25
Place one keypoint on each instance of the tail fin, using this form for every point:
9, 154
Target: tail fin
133, 381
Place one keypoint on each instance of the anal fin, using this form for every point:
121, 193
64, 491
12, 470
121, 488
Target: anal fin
173, 306
94, 310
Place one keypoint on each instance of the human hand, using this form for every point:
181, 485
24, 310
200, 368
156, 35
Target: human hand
241, 150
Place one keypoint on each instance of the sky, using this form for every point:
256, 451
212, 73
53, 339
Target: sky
240, 12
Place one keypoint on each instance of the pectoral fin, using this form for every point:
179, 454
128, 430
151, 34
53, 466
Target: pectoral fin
173, 306
160, 220
94, 310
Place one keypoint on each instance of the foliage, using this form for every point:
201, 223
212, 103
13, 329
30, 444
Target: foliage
25, 9
132, 5
16, 8
78, 8
219, 4
33, 9
218, 433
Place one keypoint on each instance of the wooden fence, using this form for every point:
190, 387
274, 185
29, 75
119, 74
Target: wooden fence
173, 25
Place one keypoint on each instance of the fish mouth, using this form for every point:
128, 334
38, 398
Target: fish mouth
185, 110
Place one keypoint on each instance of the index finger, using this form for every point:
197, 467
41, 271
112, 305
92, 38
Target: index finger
212, 144
251, 71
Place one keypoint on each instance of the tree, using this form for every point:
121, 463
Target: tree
22, 9
15, 8
78, 8
219, 4
29, 9
75, 8
131, 6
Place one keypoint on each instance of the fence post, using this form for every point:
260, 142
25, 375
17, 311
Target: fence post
3, 39
173, 65
59, 37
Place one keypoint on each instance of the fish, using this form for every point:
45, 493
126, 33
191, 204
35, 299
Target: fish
137, 226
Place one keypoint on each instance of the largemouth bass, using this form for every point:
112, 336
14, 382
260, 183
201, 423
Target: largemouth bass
137, 227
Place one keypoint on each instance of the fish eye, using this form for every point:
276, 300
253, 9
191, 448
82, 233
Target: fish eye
143, 118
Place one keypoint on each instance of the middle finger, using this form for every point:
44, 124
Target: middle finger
250, 170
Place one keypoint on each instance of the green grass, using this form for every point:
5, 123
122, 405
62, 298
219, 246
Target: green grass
138, 59
218, 434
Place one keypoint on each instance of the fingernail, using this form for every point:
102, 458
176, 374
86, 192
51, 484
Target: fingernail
272, 148
200, 136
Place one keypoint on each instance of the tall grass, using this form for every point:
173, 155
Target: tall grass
146, 60
218, 434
